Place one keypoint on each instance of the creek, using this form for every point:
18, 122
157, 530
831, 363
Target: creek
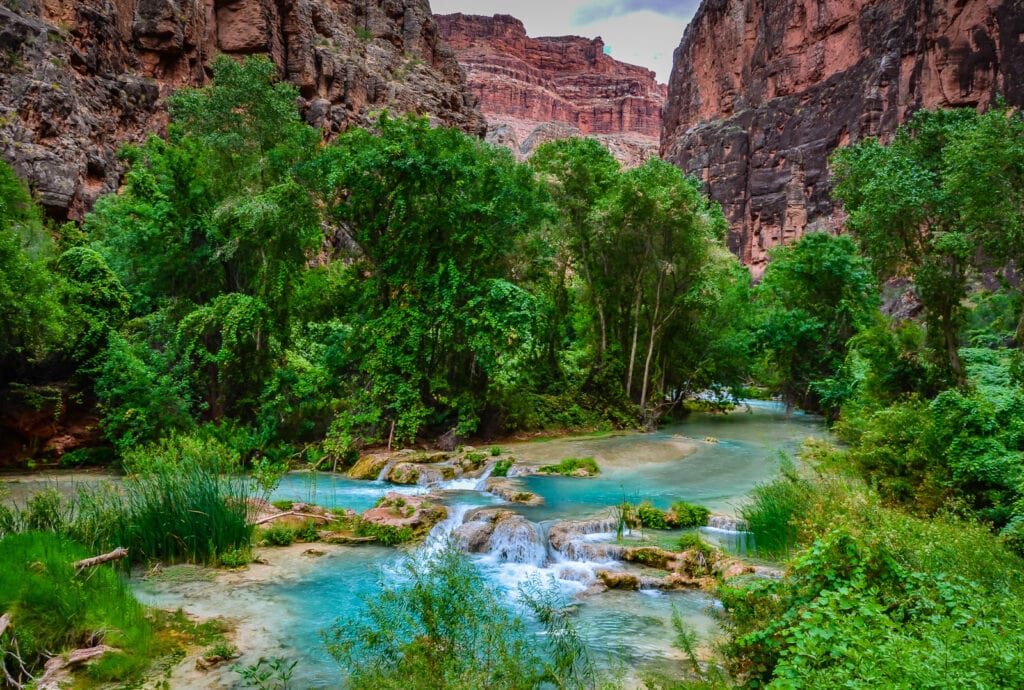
282, 610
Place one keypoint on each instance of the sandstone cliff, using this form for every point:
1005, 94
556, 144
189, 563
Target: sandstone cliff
535, 89
78, 78
761, 92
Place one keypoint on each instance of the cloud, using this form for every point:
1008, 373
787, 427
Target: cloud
605, 9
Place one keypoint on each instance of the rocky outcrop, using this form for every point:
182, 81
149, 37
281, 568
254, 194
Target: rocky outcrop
762, 92
80, 77
534, 90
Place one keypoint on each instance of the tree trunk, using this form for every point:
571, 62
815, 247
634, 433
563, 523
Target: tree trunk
650, 345
632, 350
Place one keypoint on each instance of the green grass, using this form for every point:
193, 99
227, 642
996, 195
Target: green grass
54, 608
178, 512
502, 467
771, 513
569, 466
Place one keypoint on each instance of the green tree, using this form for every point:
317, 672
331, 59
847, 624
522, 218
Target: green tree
663, 232
911, 222
435, 216
214, 228
816, 294
581, 176
30, 312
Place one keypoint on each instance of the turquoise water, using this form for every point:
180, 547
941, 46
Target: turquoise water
626, 631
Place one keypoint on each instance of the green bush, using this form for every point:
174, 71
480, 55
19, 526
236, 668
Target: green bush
502, 467
570, 466
691, 541
686, 515
385, 534
278, 535
443, 627
495, 451
651, 517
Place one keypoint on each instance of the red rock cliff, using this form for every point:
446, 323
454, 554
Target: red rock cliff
761, 92
535, 89
80, 77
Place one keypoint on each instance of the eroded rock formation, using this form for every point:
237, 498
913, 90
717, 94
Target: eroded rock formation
761, 92
78, 78
534, 90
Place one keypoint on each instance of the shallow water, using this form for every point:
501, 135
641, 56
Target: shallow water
627, 631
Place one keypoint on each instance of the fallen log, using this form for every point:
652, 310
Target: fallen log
294, 513
55, 670
117, 554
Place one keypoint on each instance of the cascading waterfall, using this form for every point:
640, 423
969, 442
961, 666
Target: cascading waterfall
386, 469
517, 540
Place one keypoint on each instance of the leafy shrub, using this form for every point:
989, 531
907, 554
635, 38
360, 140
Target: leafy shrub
651, 517
283, 505
571, 466
691, 541
385, 534
308, 531
234, 558
502, 467
686, 515
278, 535
495, 451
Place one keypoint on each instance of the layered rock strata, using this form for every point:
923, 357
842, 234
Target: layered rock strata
80, 77
762, 92
534, 90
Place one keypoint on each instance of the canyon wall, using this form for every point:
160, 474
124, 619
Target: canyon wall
762, 92
532, 90
78, 78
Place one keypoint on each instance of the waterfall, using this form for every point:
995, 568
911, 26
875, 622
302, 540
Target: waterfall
516, 540
387, 468
727, 523
429, 476
442, 531
481, 484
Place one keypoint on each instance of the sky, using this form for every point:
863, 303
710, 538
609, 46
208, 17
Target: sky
641, 32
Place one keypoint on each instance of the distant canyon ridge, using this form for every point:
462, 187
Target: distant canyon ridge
760, 94
533, 90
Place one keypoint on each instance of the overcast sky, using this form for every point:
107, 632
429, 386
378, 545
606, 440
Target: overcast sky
642, 32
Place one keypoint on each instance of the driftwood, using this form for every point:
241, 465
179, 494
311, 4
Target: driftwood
294, 513
14, 654
117, 554
54, 672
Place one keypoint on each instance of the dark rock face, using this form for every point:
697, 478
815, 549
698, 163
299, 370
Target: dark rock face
78, 78
534, 90
762, 92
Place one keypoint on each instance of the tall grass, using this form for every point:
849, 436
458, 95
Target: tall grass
175, 512
182, 513
772, 512
54, 608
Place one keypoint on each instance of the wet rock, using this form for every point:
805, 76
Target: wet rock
418, 513
728, 523
368, 467
618, 580
512, 492
506, 535
404, 473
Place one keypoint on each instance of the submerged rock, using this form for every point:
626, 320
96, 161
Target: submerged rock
368, 467
512, 492
418, 513
506, 535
